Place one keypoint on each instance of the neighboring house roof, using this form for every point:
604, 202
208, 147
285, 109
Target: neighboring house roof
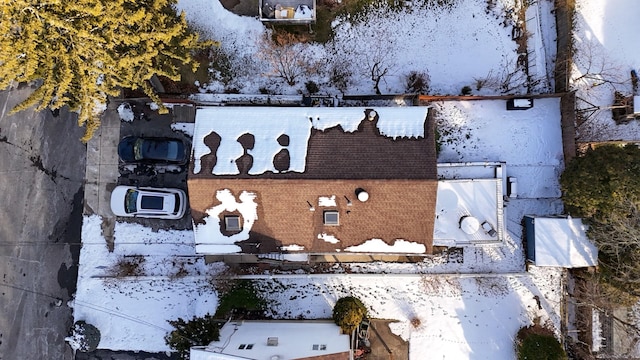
280, 339
278, 169
559, 241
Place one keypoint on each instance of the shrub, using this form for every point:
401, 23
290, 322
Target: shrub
198, 331
348, 313
466, 90
312, 87
417, 82
128, 266
538, 343
241, 298
416, 322
84, 337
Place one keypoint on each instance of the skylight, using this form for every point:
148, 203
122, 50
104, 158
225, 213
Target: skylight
331, 218
232, 223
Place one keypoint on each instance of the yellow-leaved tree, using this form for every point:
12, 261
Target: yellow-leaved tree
82, 51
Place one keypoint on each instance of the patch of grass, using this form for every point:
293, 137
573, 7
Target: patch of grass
188, 76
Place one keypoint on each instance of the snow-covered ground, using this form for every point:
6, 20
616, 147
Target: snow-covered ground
470, 304
606, 52
456, 45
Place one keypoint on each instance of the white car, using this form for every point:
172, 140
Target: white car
159, 203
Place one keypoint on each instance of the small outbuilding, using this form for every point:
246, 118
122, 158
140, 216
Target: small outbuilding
288, 11
277, 340
558, 241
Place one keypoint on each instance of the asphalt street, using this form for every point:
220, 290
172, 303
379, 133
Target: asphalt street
42, 166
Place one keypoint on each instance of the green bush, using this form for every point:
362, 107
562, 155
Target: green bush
241, 297
348, 313
538, 343
595, 183
199, 331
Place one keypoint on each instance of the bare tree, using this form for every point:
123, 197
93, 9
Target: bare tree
594, 297
512, 77
595, 68
287, 55
368, 51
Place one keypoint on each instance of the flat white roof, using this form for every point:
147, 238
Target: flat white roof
295, 339
477, 198
563, 242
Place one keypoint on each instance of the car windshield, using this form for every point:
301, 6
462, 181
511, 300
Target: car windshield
130, 200
160, 150
150, 202
137, 149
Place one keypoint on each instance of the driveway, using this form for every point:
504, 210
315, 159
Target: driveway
42, 164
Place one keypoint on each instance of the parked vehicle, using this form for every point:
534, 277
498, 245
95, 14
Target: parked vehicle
160, 203
139, 150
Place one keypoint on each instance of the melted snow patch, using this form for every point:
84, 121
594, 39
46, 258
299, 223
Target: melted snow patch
399, 246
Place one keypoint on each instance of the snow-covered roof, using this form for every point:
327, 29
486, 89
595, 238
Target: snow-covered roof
289, 340
280, 168
460, 200
563, 242
268, 124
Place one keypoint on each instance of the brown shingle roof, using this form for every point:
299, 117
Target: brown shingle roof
396, 209
400, 175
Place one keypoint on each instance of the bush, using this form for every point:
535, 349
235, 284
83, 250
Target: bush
417, 82
312, 87
466, 90
241, 299
595, 183
348, 313
128, 266
199, 331
538, 343
84, 337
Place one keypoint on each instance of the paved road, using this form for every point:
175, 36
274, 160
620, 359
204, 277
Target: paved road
42, 166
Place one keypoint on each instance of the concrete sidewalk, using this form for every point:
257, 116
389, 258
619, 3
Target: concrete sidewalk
102, 170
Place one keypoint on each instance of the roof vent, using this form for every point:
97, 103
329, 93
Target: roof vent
272, 341
362, 194
469, 224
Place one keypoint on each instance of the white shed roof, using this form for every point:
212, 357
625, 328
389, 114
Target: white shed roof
293, 339
563, 242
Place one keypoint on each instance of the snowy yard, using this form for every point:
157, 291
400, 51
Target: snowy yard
606, 52
441, 41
